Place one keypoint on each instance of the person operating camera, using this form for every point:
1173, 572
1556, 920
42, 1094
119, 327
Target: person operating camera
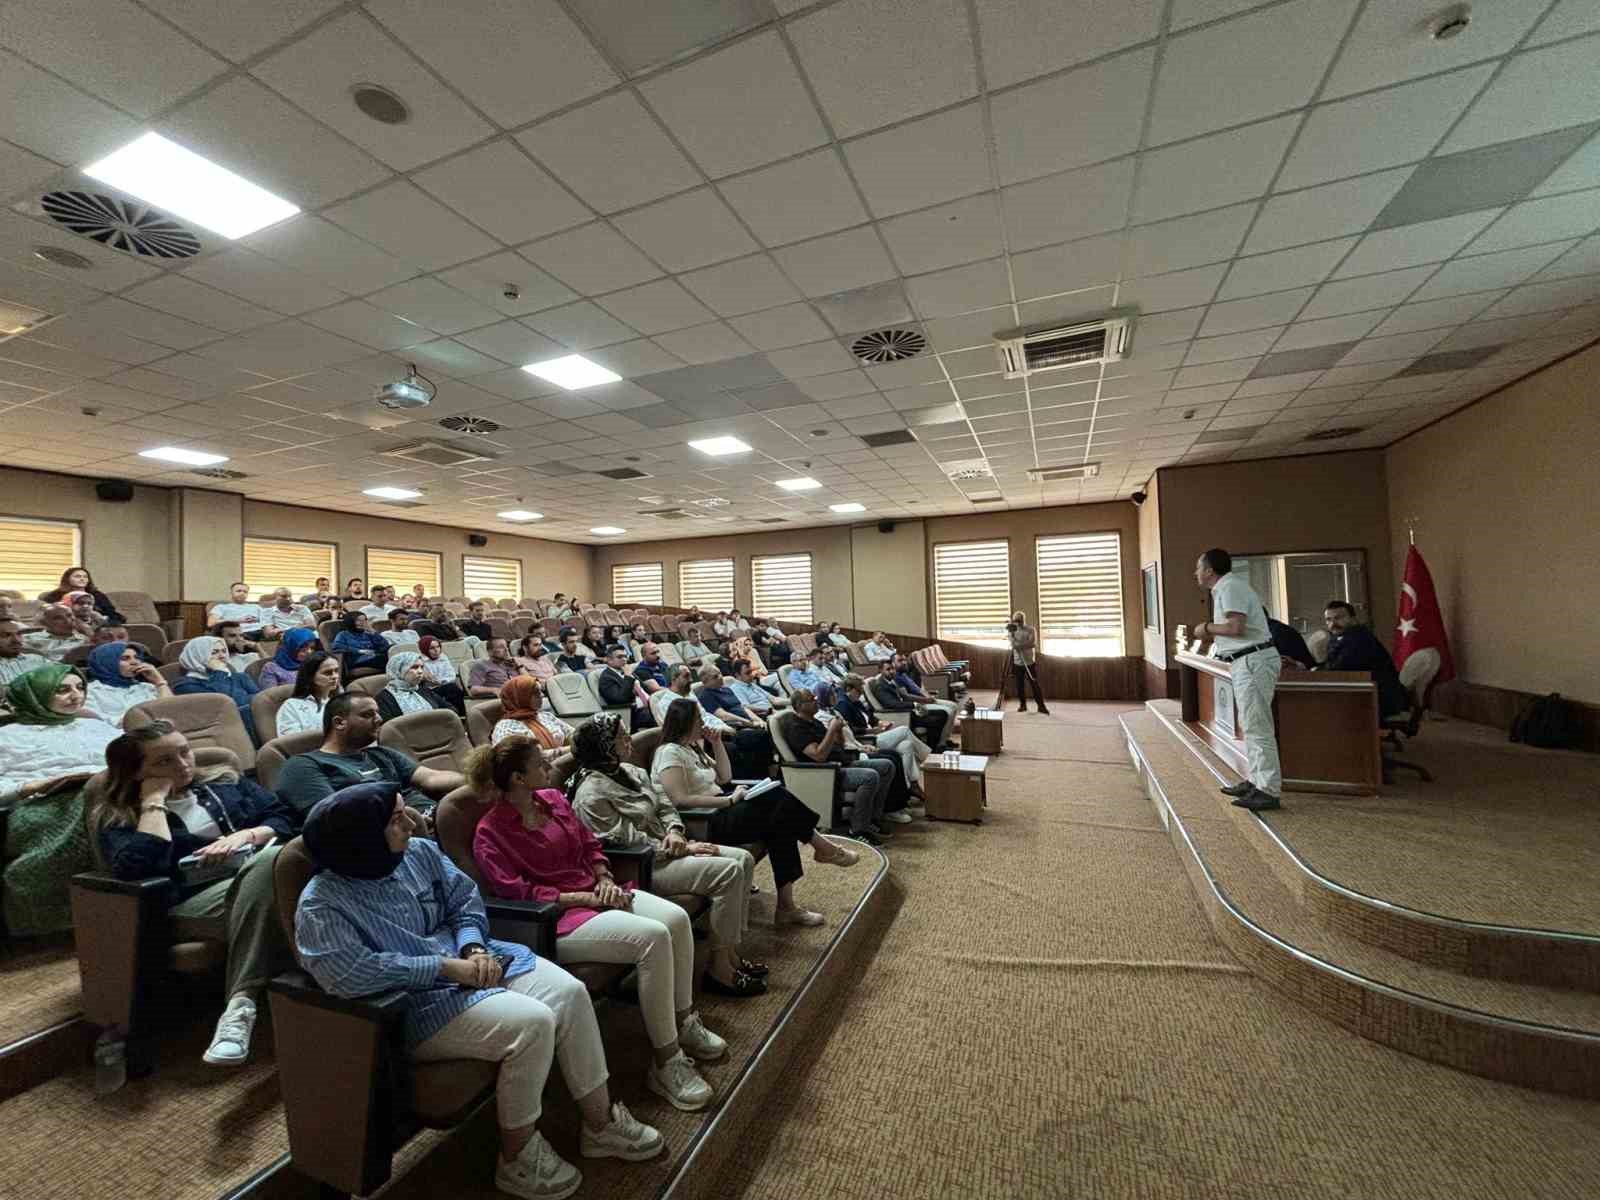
1024, 649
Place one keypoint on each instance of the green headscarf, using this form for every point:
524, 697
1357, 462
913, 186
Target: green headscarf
30, 694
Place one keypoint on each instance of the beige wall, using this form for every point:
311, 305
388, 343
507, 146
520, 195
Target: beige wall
210, 541
127, 547
1275, 506
547, 567
900, 556
1158, 639
1505, 496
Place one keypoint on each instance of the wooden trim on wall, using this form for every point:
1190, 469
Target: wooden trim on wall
1498, 707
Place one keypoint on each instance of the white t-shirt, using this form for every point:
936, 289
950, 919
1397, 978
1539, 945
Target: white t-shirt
298, 617
300, 715
702, 779
1233, 593
245, 614
111, 704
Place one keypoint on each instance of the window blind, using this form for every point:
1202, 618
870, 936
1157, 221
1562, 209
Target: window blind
270, 564
780, 586
636, 583
400, 569
1080, 594
972, 591
34, 553
497, 577
706, 583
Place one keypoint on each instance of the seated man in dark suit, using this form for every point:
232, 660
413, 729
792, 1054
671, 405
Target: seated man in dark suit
1290, 645
618, 687
1354, 647
927, 723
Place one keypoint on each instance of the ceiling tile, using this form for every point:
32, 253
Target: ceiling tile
402, 219
1180, 326
1326, 331
1064, 207
657, 307
1283, 269
922, 162
946, 234
1567, 19
960, 289
1025, 38
744, 285
868, 308
453, 358
486, 280
1388, 45
855, 382
1211, 171
1582, 259
580, 326
592, 259
1231, 346
1543, 220
800, 198
514, 59
639, 357
836, 263
501, 190
917, 55
1177, 289
777, 328
183, 297
318, 248
816, 358
111, 269
1367, 291
1188, 241
1430, 314
288, 348
1543, 297
318, 71
1106, 106
739, 107
1274, 61
1537, 91
1580, 170
612, 153
23, 170
240, 29
693, 230
640, 36
1409, 245
1330, 210
705, 343
53, 119
1292, 362
1236, 316
433, 305
1066, 268
968, 330
259, 279
369, 325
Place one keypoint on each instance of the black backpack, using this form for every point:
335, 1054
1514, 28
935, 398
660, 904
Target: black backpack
1545, 722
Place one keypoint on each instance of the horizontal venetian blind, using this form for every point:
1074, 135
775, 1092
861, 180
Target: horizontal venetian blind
35, 553
706, 583
1080, 594
636, 583
972, 591
270, 564
780, 586
497, 577
400, 569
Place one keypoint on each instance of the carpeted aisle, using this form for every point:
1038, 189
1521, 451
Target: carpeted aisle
1049, 1016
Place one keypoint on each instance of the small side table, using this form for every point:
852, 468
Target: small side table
983, 731
958, 793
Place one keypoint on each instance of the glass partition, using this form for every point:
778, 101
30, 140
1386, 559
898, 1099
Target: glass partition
1294, 587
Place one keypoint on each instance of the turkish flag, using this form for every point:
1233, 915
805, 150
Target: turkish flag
1421, 622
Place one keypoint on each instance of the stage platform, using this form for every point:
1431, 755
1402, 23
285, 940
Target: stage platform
1433, 925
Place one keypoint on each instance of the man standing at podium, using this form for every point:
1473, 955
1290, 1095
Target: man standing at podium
1239, 627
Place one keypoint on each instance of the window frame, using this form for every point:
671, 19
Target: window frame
661, 583
494, 558
733, 583
366, 563
756, 607
80, 543
1122, 598
333, 577
933, 587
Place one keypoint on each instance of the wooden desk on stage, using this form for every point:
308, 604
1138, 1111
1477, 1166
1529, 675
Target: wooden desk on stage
1327, 724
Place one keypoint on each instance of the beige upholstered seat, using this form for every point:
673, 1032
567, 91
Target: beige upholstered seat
137, 608
264, 706
482, 717
435, 738
205, 719
272, 755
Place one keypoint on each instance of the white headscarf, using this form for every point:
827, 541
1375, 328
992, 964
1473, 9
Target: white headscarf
196, 656
399, 664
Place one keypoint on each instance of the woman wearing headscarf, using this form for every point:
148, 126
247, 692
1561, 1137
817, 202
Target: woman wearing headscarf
361, 929
530, 845
522, 714
357, 646
624, 807
47, 753
440, 673
206, 669
150, 810
119, 678
297, 645
78, 579
408, 690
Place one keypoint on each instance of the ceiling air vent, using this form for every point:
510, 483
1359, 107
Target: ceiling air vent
987, 498
121, 224
623, 473
891, 437
1334, 434
466, 424
1064, 346
712, 502
968, 468
218, 473
666, 514
436, 454
888, 345
771, 520
1057, 474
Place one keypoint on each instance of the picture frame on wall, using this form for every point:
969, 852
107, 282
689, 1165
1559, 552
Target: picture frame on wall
1151, 577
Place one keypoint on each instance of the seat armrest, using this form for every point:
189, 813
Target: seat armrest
530, 922
96, 881
635, 864
122, 936
174, 629
297, 987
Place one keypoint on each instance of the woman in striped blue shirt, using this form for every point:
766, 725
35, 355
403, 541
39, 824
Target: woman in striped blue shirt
387, 912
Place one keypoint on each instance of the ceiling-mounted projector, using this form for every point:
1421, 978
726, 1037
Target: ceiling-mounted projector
414, 391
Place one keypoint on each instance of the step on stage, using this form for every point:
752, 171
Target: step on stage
1457, 920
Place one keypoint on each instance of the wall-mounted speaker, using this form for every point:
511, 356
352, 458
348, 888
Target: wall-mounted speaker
885, 526
477, 539
114, 491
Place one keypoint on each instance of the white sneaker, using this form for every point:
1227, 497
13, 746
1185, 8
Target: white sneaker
679, 1084
899, 817
230, 1045
626, 1137
698, 1042
538, 1173
917, 811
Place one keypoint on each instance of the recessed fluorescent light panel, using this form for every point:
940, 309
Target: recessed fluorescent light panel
391, 493
607, 530
720, 445
189, 458
804, 484
166, 175
520, 514
844, 508
572, 372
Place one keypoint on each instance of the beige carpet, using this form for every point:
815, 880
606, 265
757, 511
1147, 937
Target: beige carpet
38, 989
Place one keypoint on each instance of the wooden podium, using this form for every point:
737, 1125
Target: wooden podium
1327, 724
983, 731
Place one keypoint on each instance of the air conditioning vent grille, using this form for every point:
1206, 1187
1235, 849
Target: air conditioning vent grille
436, 454
1056, 474
470, 424
1064, 346
1064, 351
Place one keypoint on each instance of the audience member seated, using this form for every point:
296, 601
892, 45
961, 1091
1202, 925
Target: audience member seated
241, 650
359, 930
737, 620
400, 633
62, 632
748, 743
380, 603
696, 653
625, 808
108, 633
927, 723
48, 751
237, 607
408, 689
206, 669
441, 674
530, 845
476, 623
357, 646
803, 673
318, 680
560, 609
78, 579
724, 627
910, 681
284, 614
151, 810
826, 663
524, 713
757, 701
651, 672
593, 644
617, 687
119, 678
417, 597
320, 597
633, 641
866, 780
437, 624
897, 740
774, 651
878, 649
574, 656
296, 646
692, 779
743, 649
534, 657
1353, 647
350, 754
84, 612
835, 637
356, 589
487, 676
14, 660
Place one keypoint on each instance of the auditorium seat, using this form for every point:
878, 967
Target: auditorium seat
570, 696
482, 717
858, 656
816, 785
138, 608
435, 738
670, 654
327, 631
171, 652
206, 719
368, 685
153, 637
1316, 642
592, 678
264, 706
272, 755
